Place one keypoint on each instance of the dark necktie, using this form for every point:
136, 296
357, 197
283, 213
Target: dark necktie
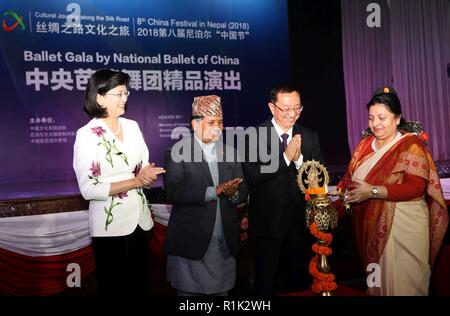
285, 137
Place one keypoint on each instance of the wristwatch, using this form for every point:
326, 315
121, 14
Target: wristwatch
374, 192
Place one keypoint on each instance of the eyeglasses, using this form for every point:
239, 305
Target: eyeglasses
297, 109
125, 93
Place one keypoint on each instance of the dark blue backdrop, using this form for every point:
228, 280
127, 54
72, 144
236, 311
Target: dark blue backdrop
50, 47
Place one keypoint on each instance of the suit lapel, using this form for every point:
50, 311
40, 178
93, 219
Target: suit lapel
221, 165
272, 129
205, 168
203, 164
297, 130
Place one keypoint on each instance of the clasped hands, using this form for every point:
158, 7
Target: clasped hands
294, 148
147, 175
228, 188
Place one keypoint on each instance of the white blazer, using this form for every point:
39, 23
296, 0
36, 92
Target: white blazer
99, 159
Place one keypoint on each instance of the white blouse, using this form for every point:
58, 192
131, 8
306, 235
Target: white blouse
99, 159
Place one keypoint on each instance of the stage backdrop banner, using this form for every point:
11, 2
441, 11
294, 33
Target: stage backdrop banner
173, 50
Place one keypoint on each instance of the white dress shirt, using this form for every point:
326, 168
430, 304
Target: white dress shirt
280, 132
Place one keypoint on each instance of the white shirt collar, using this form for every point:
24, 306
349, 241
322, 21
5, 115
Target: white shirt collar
280, 131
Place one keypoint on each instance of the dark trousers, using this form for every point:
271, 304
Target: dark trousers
281, 264
122, 263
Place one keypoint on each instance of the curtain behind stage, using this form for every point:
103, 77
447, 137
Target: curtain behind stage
409, 50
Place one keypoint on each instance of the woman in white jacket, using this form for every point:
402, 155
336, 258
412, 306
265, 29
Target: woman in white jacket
111, 164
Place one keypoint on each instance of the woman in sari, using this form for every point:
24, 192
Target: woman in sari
399, 213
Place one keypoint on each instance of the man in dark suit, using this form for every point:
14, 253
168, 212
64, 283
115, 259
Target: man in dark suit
202, 240
280, 239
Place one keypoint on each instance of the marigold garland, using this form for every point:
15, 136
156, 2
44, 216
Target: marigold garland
326, 237
314, 191
322, 249
321, 281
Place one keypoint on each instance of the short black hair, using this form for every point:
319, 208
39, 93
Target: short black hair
101, 82
285, 87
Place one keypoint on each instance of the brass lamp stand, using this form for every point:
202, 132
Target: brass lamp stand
321, 219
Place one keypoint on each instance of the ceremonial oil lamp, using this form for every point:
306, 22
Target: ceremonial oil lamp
321, 219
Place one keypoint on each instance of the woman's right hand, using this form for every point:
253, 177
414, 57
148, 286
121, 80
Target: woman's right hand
360, 191
148, 175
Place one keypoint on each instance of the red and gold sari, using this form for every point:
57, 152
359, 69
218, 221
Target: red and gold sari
373, 219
